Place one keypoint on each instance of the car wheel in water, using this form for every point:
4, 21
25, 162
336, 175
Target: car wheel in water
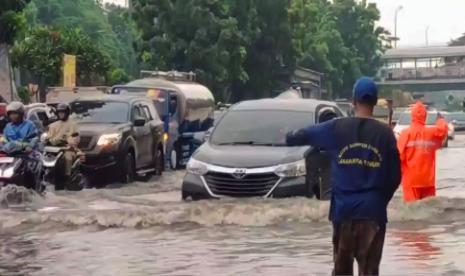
128, 169
185, 196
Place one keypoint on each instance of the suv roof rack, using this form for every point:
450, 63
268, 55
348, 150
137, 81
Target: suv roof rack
170, 75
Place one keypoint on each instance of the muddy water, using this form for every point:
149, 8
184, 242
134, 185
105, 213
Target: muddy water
144, 229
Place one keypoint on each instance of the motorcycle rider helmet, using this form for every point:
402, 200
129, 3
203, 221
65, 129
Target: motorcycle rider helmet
15, 107
65, 108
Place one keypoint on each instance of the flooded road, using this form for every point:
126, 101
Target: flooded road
145, 229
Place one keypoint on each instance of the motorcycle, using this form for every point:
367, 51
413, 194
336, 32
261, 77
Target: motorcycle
52, 156
20, 168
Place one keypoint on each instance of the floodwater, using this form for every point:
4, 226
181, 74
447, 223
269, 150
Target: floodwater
144, 229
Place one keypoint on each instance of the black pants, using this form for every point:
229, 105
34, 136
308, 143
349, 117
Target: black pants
362, 240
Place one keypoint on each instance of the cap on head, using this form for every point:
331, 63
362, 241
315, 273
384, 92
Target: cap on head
365, 91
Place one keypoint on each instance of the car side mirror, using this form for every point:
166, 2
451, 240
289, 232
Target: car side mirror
139, 121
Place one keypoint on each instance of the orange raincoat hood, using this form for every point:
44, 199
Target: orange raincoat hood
419, 114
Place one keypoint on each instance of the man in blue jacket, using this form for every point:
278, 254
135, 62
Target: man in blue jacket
365, 175
19, 134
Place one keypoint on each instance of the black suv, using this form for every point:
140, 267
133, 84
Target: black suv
121, 135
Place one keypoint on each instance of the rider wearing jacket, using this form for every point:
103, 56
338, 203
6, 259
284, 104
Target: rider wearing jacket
19, 134
64, 132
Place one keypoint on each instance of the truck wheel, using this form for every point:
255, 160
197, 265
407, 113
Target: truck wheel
128, 169
159, 161
174, 158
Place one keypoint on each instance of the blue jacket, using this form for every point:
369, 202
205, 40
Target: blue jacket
25, 133
365, 165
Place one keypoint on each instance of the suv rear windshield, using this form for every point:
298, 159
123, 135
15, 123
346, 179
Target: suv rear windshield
259, 126
100, 112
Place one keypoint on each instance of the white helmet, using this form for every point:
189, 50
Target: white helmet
16, 107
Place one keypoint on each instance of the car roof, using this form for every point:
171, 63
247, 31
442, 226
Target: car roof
282, 104
113, 98
187, 88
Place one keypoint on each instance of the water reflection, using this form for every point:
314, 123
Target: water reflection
417, 246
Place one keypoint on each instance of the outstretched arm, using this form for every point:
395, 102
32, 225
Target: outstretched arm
440, 131
321, 136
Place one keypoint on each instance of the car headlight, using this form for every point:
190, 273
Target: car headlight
44, 137
109, 139
293, 169
196, 167
8, 173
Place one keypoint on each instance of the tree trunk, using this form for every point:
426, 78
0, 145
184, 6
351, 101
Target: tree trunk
6, 82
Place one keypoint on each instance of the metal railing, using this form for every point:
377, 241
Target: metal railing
170, 75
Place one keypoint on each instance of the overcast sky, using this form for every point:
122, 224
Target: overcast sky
445, 18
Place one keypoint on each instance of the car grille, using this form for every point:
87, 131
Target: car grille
252, 185
85, 141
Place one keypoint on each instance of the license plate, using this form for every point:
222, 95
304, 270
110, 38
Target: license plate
6, 160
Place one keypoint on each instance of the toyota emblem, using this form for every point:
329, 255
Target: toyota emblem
239, 173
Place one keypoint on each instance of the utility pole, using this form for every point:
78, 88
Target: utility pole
399, 8
426, 36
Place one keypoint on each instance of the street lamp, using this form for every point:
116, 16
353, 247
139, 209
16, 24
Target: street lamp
399, 8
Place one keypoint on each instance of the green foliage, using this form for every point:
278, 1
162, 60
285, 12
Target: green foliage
111, 28
11, 19
42, 50
24, 95
126, 33
356, 22
118, 76
244, 46
197, 35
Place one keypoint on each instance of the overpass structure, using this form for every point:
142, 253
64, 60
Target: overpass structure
425, 69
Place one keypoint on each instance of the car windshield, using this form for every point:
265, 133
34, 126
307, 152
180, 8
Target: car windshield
406, 118
259, 127
100, 112
457, 116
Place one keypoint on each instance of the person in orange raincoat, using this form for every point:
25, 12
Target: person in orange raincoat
417, 148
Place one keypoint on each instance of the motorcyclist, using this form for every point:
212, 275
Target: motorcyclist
65, 133
19, 134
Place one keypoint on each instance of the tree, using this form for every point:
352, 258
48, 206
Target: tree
356, 22
127, 35
245, 46
270, 52
42, 50
460, 41
318, 43
197, 35
11, 21
94, 21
